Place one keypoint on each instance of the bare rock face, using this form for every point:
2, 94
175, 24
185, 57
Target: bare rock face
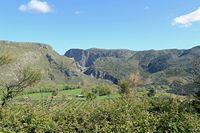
101, 75
83, 57
86, 59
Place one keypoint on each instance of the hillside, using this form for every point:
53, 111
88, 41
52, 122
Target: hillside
155, 66
79, 67
56, 69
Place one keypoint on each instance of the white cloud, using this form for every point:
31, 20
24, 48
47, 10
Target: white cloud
77, 12
188, 19
36, 6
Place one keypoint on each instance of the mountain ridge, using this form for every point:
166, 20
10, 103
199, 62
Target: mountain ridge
119, 63
155, 66
56, 69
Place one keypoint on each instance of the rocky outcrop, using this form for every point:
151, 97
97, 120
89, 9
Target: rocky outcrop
85, 62
83, 57
100, 75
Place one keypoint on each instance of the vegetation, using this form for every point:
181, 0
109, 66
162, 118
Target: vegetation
90, 96
129, 84
77, 106
138, 114
24, 79
102, 90
6, 58
151, 92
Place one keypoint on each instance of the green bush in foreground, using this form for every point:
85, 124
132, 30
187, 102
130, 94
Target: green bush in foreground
156, 114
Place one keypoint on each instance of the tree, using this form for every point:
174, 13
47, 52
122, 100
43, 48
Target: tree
90, 96
102, 90
54, 93
132, 81
196, 102
125, 87
25, 78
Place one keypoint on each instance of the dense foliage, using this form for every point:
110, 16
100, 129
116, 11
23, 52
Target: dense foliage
102, 90
139, 113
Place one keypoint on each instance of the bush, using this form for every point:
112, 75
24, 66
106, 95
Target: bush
90, 96
54, 93
101, 90
151, 92
125, 89
137, 114
70, 88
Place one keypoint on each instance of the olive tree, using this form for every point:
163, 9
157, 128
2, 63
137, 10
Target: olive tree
25, 78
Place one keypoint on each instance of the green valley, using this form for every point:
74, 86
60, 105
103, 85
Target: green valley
98, 90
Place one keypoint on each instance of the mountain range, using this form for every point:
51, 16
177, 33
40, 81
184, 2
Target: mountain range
155, 66
94, 65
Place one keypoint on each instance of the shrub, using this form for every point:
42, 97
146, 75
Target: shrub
151, 92
90, 96
54, 93
101, 90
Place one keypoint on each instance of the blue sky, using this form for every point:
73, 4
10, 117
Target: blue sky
127, 24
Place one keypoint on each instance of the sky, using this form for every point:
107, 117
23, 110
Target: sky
110, 24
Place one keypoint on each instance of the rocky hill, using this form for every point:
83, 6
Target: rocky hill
56, 69
155, 66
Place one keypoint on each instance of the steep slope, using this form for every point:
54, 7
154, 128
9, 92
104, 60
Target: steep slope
92, 61
56, 69
155, 66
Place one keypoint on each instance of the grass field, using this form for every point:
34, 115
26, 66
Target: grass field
48, 94
67, 93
